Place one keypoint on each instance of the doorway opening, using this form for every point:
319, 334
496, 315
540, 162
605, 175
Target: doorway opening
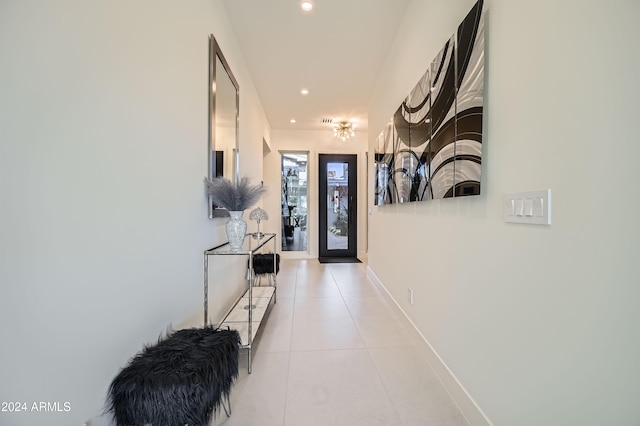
294, 201
338, 206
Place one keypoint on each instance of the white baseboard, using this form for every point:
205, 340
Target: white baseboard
470, 410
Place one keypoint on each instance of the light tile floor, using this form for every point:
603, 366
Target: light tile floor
334, 352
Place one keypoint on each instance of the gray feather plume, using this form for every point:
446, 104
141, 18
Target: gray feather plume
232, 197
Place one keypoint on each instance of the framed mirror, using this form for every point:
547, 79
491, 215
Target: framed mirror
224, 101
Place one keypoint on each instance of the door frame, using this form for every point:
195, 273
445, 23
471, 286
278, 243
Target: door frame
309, 193
352, 206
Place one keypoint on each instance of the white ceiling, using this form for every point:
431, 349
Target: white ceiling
336, 51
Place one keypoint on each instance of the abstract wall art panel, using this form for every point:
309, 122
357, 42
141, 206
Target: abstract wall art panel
469, 103
443, 136
432, 146
384, 166
404, 161
391, 143
417, 112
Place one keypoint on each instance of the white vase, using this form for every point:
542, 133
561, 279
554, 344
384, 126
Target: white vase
236, 230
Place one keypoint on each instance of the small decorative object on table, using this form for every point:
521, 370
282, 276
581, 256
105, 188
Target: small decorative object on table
258, 214
236, 198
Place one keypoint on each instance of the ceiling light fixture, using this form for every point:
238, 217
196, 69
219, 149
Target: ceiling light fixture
292, 121
343, 130
306, 5
304, 91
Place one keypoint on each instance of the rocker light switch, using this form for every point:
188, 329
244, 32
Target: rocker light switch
538, 207
528, 207
519, 207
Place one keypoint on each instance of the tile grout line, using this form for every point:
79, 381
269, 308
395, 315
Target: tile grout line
366, 347
293, 313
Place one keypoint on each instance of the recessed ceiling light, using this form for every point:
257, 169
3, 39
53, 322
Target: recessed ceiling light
292, 121
306, 5
305, 91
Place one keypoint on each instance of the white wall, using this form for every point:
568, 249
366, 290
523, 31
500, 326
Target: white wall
103, 218
315, 142
539, 324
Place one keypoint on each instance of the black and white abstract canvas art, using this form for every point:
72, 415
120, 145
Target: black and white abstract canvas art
432, 146
384, 165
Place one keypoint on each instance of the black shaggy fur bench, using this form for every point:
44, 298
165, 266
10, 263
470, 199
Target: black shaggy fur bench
181, 380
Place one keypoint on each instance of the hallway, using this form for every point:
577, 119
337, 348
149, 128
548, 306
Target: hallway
334, 351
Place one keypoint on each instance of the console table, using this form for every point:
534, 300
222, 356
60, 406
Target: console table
247, 313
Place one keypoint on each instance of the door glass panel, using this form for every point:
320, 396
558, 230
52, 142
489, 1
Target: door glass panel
337, 206
294, 201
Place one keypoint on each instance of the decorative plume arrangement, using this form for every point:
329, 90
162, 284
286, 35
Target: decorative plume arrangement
232, 197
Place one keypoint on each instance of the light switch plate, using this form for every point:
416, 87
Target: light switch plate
533, 207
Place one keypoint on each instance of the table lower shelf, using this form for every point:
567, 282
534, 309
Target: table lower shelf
238, 318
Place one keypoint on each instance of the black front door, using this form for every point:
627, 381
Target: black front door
338, 205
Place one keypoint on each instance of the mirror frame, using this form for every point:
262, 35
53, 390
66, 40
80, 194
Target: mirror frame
214, 72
